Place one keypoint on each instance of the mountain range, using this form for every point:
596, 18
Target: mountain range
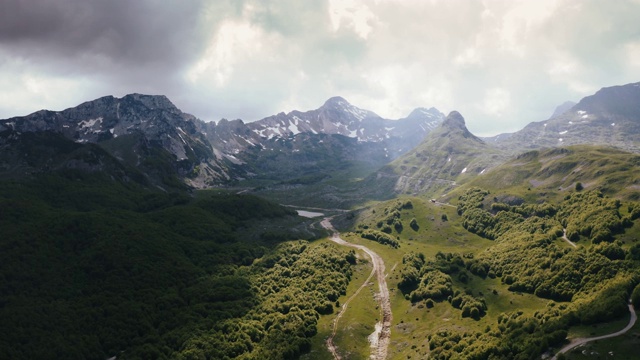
451, 155
140, 129
338, 142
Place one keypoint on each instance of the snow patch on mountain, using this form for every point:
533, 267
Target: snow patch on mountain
89, 123
293, 128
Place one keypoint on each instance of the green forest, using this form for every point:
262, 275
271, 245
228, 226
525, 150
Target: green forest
92, 268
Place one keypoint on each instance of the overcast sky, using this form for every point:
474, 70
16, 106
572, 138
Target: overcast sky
502, 64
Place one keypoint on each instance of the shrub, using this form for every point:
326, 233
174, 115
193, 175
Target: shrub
380, 237
414, 224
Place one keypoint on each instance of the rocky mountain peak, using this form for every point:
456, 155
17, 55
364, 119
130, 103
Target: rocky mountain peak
339, 105
153, 102
454, 121
454, 124
448, 153
127, 105
336, 101
609, 117
424, 112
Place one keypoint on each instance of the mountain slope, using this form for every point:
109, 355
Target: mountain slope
540, 174
315, 156
24, 156
609, 117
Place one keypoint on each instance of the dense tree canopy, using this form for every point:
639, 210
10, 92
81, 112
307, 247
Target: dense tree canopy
95, 268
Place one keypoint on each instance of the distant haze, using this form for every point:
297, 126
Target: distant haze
501, 64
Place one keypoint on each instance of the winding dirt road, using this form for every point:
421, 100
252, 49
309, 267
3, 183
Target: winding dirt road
382, 335
580, 341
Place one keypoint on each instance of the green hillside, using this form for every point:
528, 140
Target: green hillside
541, 174
487, 274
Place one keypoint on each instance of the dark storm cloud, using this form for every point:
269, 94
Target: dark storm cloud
126, 32
58, 53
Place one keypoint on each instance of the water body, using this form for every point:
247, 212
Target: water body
309, 214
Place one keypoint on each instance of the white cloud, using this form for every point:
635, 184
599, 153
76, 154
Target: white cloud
521, 21
469, 57
351, 14
235, 41
563, 65
632, 51
496, 101
23, 92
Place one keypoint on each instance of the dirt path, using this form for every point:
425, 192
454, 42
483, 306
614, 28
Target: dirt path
580, 341
564, 237
444, 204
330, 345
382, 335
316, 208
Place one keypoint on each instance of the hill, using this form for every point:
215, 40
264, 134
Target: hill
489, 273
540, 174
448, 155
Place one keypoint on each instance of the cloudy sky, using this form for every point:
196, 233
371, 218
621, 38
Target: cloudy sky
502, 64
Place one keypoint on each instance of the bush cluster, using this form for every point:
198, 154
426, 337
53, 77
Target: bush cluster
379, 237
